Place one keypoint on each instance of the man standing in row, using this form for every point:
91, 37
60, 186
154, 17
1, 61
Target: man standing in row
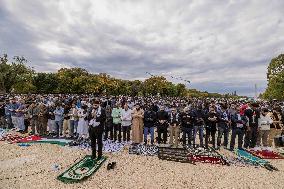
162, 125
96, 129
116, 128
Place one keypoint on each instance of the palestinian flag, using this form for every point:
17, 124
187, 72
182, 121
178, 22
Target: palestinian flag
247, 156
60, 142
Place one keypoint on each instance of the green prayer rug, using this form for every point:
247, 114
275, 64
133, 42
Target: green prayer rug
81, 170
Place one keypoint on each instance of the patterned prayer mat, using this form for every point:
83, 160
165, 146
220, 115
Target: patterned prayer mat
173, 154
146, 150
81, 143
247, 156
108, 145
11, 139
266, 154
112, 147
204, 155
81, 170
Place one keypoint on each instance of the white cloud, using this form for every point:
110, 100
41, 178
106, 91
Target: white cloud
223, 43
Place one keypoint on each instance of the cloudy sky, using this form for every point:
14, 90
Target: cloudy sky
220, 46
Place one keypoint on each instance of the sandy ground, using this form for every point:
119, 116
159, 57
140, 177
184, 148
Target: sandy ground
31, 167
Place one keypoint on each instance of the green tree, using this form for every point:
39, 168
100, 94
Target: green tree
275, 67
275, 78
45, 82
15, 75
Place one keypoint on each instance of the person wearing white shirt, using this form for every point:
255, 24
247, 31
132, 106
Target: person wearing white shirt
264, 128
126, 120
73, 121
82, 129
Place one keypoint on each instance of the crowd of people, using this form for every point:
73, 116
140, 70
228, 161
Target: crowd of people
123, 119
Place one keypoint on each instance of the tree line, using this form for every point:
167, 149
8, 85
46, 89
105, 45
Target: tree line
275, 79
17, 77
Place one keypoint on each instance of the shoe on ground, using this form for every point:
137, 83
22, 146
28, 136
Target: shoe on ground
109, 166
113, 165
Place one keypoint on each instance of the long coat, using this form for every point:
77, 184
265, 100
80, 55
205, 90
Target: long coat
137, 126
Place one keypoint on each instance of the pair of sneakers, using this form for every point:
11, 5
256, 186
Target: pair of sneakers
111, 165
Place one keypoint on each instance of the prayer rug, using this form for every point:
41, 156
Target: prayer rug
173, 154
265, 154
235, 160
10, 138
247, 156
112, 147
30, 139
81, 170
204, 155
108, 145
146, 150
60, 142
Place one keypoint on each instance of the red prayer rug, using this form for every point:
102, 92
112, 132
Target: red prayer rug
11, 138
204, 155
206, 159
266, 154
30, 139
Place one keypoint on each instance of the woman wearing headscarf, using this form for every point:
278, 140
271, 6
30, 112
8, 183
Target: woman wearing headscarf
137, 124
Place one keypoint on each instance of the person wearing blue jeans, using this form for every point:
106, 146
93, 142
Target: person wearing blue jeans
73, 121
8, 114
149, 130
223, 127
150, 119
199, 115
223, 130
58, 113
187, 119
238, 128
200, 130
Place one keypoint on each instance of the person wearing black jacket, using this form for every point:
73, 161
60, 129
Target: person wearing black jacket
174, 121
238, 128
253, 115
96, 128
162, 125
187, 121
211, 126
223, 126
199, 123
51, 120
150, 118
2, 115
